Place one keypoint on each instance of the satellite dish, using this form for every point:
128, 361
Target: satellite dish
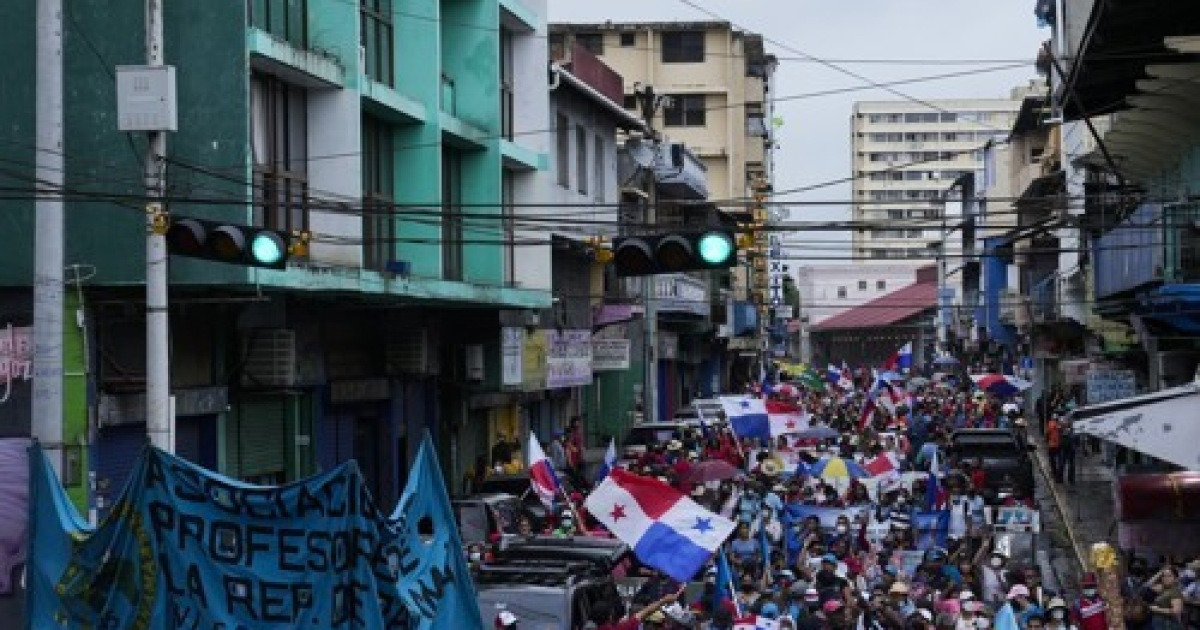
639, 152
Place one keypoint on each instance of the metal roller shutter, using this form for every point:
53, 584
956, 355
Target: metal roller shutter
258, 440
337, 438
117, 451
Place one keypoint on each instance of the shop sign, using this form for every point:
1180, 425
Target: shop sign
359, 390
512, 350
119, 409
568, 358
1106, 385
533, 362
610, 354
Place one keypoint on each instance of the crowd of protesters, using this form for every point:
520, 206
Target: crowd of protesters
821, 551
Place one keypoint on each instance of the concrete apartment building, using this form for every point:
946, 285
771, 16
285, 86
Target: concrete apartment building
717, 77
906, 156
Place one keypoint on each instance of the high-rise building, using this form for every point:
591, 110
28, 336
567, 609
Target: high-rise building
906, 157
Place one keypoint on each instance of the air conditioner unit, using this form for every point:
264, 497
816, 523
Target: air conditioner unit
411, 351
269, 358
474, 362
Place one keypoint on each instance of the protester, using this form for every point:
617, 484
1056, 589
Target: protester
863, 518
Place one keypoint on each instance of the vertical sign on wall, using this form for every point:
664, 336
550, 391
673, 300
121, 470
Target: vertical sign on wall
512, 346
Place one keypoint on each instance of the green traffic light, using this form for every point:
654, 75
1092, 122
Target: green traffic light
267, 248
715, 248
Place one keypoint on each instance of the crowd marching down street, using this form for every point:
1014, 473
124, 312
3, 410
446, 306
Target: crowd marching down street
823, 500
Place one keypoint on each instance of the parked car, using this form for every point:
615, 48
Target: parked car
550, 583
1004, 454
483, 515
518, 486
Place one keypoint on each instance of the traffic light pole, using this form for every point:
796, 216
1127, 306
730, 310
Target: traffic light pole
46, 424
160, 418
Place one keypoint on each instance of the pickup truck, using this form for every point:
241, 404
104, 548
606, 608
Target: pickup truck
1005, 456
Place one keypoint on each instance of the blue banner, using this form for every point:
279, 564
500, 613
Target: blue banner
187, 548
930, 528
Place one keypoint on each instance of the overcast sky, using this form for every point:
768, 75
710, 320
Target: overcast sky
814, 142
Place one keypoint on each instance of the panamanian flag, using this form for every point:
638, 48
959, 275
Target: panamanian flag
747, 416
667, 530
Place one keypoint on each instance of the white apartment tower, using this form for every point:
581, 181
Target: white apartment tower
906, 157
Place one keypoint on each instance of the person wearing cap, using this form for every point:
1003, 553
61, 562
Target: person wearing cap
899, 601
1057, 615
1018, 596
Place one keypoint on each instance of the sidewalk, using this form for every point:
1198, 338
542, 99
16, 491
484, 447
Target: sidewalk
1085, 508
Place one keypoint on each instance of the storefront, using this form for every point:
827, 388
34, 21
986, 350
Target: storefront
121, 435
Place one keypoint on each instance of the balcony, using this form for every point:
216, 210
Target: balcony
679, 173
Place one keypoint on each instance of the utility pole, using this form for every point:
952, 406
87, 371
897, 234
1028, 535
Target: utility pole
46, 422
160, 420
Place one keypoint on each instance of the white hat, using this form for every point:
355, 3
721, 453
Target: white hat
1018, 590
506, 618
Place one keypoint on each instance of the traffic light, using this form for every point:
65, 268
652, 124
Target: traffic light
674, 252
228, 243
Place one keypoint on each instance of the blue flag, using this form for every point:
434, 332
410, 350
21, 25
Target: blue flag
610, 460
721, 590
438, 585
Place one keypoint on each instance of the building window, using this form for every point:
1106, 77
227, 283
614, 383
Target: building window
628, 40
756, 121
599, 164
562, 133
285, 19
581, 159
507, 197
506, 84
685, 110
379, 186
593, 42
279, 138
377, 37
452, 219
842, 292
862, 285
630, 101
683, 47
895, 214
881, 285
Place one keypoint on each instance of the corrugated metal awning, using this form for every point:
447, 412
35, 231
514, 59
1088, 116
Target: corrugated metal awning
1164, 424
